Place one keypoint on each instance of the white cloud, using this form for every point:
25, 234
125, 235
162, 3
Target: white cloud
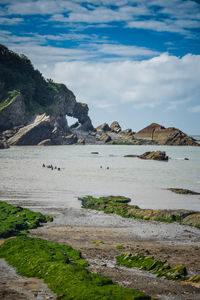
171, 16
164, 80
10, 21
126, 51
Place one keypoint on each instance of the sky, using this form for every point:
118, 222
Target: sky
133, 61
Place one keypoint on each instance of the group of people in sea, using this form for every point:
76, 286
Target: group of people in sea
51, 167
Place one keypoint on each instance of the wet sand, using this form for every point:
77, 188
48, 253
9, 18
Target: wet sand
79, 228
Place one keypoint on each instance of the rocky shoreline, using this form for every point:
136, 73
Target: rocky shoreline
97, 234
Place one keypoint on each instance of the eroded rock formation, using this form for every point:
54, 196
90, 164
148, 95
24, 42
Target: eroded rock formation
166, 136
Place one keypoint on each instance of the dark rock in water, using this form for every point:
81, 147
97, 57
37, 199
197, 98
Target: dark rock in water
81, 141
94, 152
103, 127
155, 155
46, 142
131, 155
166, 136
115, 127
183, 191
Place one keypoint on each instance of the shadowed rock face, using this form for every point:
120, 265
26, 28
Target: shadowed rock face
13, 114
53, 127
166, 136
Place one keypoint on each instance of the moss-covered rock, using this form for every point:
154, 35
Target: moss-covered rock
63, 269
183, 191
149, 263
119, 205
15, 219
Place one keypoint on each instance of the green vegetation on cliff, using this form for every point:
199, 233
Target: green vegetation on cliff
63, 269
119, 205
14, 219
17, 75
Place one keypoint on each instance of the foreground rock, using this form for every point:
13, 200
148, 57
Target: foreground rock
166, 136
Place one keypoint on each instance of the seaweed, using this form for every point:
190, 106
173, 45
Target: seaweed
14, 220
157, 267
63, 269
119, 205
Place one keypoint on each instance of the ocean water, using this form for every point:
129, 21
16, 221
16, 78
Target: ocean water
23, 180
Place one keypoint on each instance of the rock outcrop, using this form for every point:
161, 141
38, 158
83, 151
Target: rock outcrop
166, 136
154, 155
103, 127
33, 109
3, 145
115, 127
32, 134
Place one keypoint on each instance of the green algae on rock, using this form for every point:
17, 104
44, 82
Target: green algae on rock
14, 219
183, 191
119, 205
63, 269
148, 263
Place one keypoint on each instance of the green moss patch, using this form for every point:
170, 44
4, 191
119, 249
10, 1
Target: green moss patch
120, 247
15, 219
63, 269
119, 205
148, 263
97, 242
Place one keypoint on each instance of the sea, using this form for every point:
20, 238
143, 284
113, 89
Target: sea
24, 181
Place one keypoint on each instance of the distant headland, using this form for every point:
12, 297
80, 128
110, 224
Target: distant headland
33, 111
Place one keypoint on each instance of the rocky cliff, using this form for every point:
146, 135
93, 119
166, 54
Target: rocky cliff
33, 109
166, 136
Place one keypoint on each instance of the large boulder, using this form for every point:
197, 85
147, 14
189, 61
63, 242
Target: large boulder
166, 136
155, 155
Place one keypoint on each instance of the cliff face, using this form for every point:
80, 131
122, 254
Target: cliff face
34, 109
166, 136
